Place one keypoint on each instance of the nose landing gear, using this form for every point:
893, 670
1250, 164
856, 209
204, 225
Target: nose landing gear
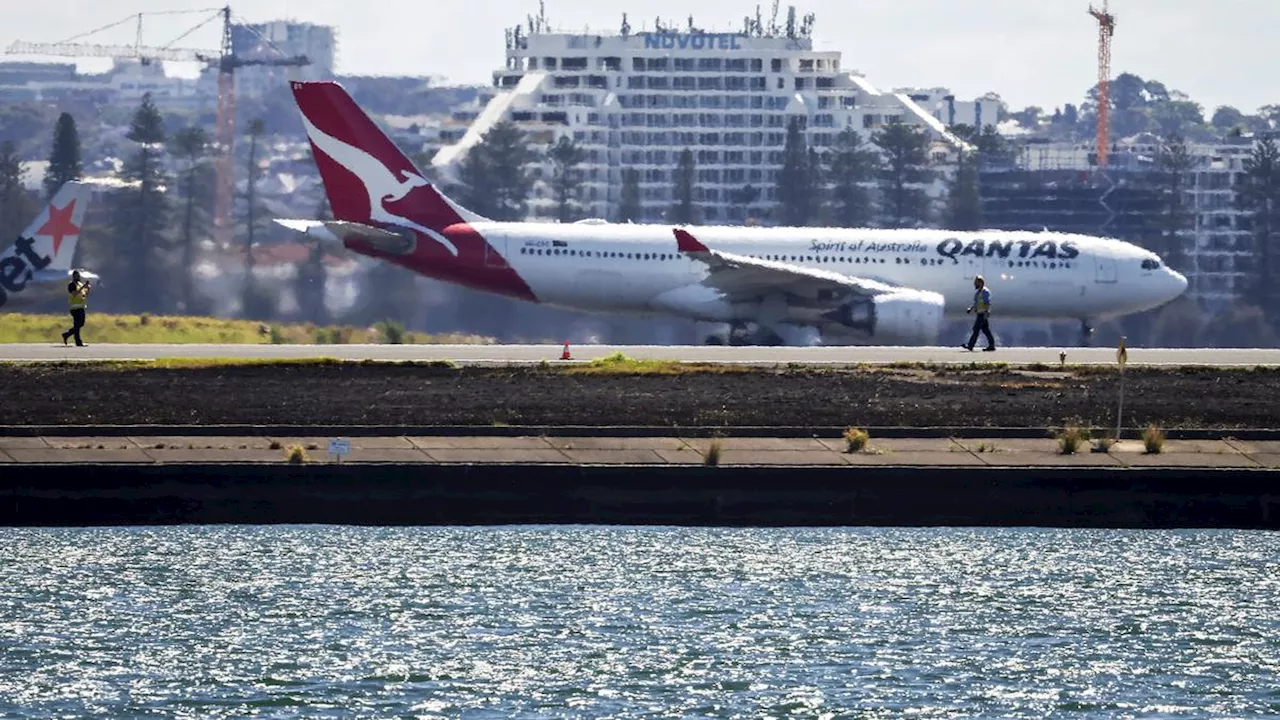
1086, 332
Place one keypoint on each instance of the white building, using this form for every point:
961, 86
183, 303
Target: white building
1217, 248
942, 104
126, 82
276, 39
637, 100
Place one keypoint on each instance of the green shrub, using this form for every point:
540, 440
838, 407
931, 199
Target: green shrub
297, 454
391, 331
855, 439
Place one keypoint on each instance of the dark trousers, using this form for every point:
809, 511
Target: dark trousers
980, 325
77, 322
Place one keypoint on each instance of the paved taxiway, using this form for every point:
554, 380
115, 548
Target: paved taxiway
508, 354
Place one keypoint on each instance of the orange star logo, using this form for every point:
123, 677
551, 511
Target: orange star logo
59, 225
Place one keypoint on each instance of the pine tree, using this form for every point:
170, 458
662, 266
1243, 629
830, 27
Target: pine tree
905, 168
683, 210
851, 166
309, 287
629, 207
793, 192
140, 247
1258, 192
566, 158
15, 206
254, 303
745, 197
816, 171
64, 158
495, 174
190, 146
1175, 164
964, 201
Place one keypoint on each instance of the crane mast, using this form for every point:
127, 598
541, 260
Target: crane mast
1106, 28
226, 62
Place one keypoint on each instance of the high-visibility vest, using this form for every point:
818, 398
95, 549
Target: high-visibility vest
982, 301
77, 296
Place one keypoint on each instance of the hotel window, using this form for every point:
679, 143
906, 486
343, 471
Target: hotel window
757, 64
658, 64
775, 65
709, 64
637, 64
735, 65
806, 65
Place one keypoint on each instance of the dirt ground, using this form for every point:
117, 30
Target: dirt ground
366, 394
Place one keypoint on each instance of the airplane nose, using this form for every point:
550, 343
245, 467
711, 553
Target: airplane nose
1179, 282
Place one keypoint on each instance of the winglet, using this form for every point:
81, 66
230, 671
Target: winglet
688, 243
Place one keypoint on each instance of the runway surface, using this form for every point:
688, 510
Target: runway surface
514, 354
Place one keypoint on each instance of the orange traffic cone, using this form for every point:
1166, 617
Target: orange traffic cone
565, 355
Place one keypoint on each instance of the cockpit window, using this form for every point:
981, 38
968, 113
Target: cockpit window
1150, 264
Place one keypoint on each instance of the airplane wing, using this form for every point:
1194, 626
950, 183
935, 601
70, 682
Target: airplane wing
339, 230
738, 277
785, 293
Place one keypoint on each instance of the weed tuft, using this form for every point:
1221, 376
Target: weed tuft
1153, 439
1071, 438
712, 457
297, 454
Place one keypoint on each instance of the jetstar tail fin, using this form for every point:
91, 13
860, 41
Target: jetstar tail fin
49, 242
367, 178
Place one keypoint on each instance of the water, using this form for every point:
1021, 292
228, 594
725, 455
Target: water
310, 621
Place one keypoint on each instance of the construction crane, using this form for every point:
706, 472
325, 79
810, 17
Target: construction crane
1106, 28
224, 59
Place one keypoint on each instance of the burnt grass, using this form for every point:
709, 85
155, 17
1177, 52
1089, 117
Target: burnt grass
389, 394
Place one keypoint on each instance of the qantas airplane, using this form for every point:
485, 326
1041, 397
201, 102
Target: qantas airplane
37, 266
759, 285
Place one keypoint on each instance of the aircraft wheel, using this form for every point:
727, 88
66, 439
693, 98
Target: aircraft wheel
1086, 333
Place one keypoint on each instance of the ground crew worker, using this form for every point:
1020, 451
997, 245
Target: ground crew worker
78, 293
982, 306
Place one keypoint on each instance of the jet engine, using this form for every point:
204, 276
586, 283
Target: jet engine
909, 317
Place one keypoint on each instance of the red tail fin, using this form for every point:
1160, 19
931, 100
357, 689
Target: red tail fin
367, 178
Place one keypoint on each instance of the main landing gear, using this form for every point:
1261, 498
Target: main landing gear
741, 334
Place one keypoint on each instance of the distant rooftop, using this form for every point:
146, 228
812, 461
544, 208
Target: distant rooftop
790, 27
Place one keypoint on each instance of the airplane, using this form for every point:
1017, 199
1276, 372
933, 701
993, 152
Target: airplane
757, 285
37, 266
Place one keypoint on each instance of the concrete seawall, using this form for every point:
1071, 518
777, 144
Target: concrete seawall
72, 494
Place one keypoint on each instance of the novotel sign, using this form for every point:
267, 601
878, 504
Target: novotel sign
692, 41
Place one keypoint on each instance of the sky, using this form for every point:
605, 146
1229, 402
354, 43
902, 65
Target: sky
1031, 52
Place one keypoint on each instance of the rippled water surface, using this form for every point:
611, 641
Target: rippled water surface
662, 622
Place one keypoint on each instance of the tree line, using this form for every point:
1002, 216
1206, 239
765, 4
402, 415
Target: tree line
854, 183
144, 236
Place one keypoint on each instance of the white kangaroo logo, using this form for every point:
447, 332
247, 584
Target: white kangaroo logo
379, 182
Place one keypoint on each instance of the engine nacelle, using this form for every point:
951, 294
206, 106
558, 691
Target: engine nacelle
911, 317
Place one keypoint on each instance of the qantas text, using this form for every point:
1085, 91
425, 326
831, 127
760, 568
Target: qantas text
954, 249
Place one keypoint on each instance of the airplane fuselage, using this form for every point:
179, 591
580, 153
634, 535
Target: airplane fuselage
632, 268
